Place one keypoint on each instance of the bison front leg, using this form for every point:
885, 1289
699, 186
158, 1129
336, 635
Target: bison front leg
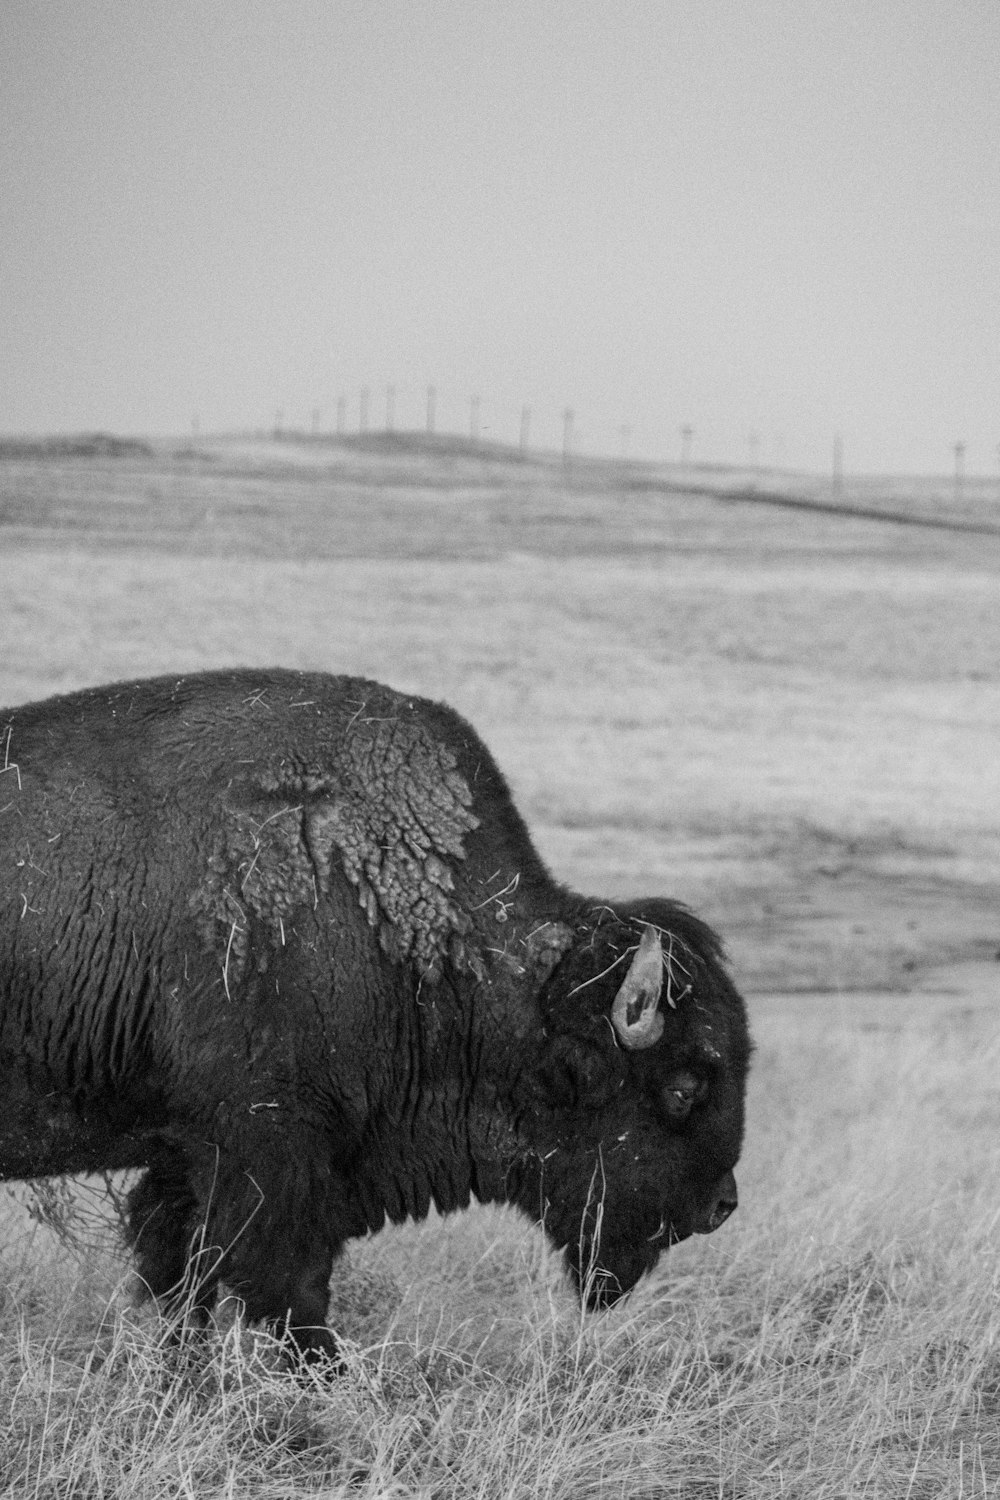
263, 1223
166, 1231
294, 1302
280, 1264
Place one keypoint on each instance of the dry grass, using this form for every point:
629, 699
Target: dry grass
726, 727
838, 1338
788, 720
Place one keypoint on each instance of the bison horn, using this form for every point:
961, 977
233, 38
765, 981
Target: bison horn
635, 1013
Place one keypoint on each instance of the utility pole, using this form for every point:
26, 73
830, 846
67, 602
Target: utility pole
431, 403
753, 449
687, 433
959, 451
279, 420
567, 452
363, 411
838, 463
390, 408
315, 421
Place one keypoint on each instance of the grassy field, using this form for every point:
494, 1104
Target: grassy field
787, 716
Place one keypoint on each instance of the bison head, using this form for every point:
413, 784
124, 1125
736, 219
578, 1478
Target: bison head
635, 1095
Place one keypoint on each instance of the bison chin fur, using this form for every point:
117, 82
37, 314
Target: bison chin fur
604, 1277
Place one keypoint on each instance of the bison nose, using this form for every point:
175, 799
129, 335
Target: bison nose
725, 1201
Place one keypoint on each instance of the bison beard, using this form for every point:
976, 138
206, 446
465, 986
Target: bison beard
282, 940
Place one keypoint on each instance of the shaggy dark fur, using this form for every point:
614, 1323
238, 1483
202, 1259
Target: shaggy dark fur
282, 939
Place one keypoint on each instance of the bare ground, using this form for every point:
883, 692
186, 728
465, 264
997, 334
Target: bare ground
787, 718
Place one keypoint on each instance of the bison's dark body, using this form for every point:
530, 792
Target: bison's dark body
282, 939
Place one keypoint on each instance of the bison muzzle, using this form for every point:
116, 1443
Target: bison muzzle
282, 940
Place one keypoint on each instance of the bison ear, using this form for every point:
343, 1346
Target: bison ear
635, 1013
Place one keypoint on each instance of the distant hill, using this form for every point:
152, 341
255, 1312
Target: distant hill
79, 445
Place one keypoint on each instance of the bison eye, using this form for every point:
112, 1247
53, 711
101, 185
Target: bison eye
680, 1093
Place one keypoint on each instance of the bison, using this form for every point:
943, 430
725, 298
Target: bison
282, 940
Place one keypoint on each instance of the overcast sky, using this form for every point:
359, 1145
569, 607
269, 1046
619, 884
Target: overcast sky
777, 218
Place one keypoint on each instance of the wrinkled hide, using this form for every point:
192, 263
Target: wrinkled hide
282, 940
